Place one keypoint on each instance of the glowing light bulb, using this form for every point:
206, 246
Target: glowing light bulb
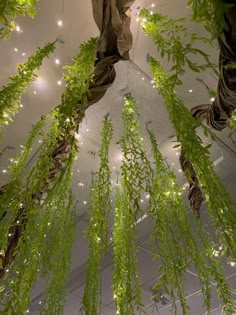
21, 105
233, 264
59, 82
85, 202
60, 23
40, 302
15, 49
23, 54
212, 99
40, 141
190, 91
153, 5
35, 92
180, 171
18, 29
141, 200
143, 78
57, 61
4, 171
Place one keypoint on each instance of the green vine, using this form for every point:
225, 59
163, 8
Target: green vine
220, 204
126, 286
10, 9
135, 169
183, 48
210, 13
177, 246
10, 95
98, 227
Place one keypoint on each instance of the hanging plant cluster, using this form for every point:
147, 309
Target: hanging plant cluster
36, 238
9, 10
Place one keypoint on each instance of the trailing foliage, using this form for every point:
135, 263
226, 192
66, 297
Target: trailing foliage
43, 200
220, 204
26, 269
126, 286
98, 227
211, 14
10, 9
184, 45
10, 94
135, 169
177, 246
60, 260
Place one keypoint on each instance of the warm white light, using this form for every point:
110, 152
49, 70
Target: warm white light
21, 105
190, 91
151, 12
27, 311
147, 196
85, 202
87, 130
35, 92
77, 171
15, 49
152, 5
4, 171
81, 143
60, 23
40, 141
57, 61
233, 264
141, 200
154, 86
18, 29
59, 82
17, 221
7, 270
114, 167
143, 78
212, 99
23, 54
137, 19
172, 164
67, 119
9, 234
180, 171
40, 302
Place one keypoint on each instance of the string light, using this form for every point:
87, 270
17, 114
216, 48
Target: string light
233, 264
153, 5
59, 82
87, 130
35, 92
21, 105
60, 23
212, 99
15, 49
85, 202
57, 61
40, 141
18, 29
141, 200
4, 171
190, 91
40, 302
23, 54
78, 171
180, 171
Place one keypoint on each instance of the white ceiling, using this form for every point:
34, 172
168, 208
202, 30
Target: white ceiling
132, 76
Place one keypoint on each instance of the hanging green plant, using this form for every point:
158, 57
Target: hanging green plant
98, 228
220, 204
183, 49
9, 10
135, 169
10, 94
176, 245
126, 286
31, 246
211, 14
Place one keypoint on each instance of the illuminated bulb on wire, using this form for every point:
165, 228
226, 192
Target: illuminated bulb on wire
180, 171
59, 82
233, 264
141, 200
40, 302
40, 141
137, 19
67, 119
18, 29
147, 196
35, 92
153, 5
15, 49
143, 78
212, 99
85, 202
23, 54
4, 171
7, 270
87, 130
27, 311
60, 23
57, 61
190, 91
21, 105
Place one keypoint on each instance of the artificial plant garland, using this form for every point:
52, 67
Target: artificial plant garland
56, 147
10, 9
220, 204
125, 279
10, 94
98, 227
176, 245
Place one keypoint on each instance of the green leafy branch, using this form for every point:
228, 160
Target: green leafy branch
174, 42
10, 9
98, 227
220, 204
10, 94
